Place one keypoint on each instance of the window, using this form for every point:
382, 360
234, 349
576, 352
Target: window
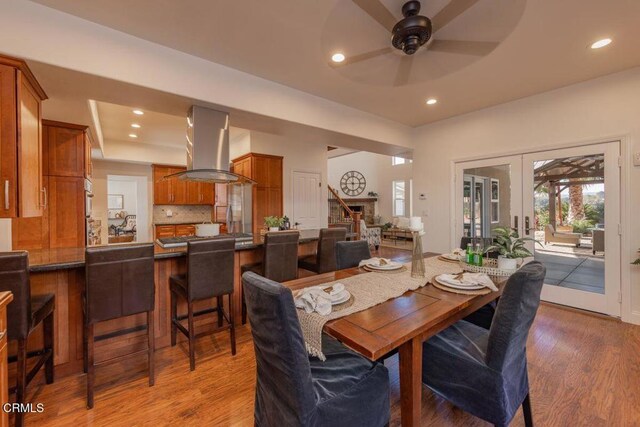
495, 201
399, 161
398, 198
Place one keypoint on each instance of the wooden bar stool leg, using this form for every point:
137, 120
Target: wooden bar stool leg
48, 347
152, 347
232, 327
174, 317
90, 365
192, 344
220, 308
21, 383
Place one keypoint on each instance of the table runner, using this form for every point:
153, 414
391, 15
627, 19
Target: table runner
368, 290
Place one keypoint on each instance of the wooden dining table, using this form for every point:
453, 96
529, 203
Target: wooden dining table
401, 324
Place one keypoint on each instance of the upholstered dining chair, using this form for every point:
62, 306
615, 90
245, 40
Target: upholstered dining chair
294, 389
485, 372
324, 259
349, 254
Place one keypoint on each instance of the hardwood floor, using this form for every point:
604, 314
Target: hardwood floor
584, 370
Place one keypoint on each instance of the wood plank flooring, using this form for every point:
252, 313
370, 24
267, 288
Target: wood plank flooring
584, 370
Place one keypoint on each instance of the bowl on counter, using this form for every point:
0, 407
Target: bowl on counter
207, 229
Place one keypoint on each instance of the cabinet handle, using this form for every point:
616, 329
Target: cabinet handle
46, 199
6, 194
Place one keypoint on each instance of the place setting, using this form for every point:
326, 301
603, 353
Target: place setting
382, 265
466, 283
323, 299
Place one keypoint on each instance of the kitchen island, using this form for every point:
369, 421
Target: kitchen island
61, 272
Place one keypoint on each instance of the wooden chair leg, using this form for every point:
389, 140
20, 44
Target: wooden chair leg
21, 383
232, 326
192, 344
90, 365
174, 317
48, 346
526, 411
220, 308
152, 347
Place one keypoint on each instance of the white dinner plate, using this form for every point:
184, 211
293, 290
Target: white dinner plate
390, 266
341, 297
452, 257
461, 286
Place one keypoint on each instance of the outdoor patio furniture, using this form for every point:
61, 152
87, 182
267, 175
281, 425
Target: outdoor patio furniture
598, 240
553, 236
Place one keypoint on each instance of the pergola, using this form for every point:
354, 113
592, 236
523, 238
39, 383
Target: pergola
560, 174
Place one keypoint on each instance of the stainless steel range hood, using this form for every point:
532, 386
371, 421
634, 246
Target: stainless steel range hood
208, 148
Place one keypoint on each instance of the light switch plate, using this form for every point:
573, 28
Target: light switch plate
636, 159
169, 213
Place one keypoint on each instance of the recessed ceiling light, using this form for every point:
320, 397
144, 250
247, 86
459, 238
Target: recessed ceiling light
337, 57
135, 125
138, 112
601, 43
133, 135
431, 101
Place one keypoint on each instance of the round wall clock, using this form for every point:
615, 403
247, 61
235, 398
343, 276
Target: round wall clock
353, 183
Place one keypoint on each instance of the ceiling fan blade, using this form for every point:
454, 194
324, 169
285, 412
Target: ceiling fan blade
450, 12
463, 47
377, 11
404, 71
361, 57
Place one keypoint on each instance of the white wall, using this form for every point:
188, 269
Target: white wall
101, 170
598, 110
379, 173
134, 190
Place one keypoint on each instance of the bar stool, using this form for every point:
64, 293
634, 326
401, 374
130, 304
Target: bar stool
349, 254
119, 282
210, 274
24, 314
325, 258
279, 260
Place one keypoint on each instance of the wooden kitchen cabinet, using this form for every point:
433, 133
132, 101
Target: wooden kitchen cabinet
267, 193
185, 230
67, 149
5, 298
67, 219
21, 161
178, 192
165, 231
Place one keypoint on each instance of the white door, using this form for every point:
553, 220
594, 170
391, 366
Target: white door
488, 194
307, 200
579, 242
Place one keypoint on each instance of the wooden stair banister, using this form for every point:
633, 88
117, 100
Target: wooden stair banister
355, 216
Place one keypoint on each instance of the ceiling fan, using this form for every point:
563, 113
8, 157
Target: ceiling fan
415, 32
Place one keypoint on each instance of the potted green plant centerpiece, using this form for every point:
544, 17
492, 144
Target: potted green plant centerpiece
510, 247
273, 222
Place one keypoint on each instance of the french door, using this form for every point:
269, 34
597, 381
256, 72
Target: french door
568, 200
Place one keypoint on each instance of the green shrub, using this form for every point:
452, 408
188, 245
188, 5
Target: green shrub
581, 225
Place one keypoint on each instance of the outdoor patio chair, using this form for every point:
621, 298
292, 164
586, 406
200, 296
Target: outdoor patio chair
553, 236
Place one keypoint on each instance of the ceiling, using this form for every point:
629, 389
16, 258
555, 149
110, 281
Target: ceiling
290, 42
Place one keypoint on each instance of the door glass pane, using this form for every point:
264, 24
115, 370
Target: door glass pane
489, 204
569, 205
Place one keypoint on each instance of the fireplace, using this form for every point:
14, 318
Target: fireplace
366, 206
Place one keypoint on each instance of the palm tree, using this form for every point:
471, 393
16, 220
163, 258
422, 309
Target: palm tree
576, 203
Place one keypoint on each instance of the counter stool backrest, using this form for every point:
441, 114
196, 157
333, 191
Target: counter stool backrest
119, 281
280, 260
14, 277
210, 267
326, 254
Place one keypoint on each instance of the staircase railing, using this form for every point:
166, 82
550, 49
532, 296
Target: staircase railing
340, 212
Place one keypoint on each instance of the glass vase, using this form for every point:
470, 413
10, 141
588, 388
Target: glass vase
417, 257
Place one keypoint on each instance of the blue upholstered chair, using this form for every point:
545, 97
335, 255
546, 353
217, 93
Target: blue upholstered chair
484, 372
293, 389
349, 254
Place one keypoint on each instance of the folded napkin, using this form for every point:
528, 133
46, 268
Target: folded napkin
318, 299
374, 261
468, 279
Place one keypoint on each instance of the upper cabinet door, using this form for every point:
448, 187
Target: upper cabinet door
178, 188
67, 152
29, 151
161, 187
8, 138
206, 193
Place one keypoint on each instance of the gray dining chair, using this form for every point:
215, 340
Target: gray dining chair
484, 372
349, 254
294, 389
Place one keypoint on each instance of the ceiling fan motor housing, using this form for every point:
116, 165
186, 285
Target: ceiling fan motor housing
413, 31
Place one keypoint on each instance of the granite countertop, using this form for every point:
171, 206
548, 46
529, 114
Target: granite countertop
41, 260
183, 223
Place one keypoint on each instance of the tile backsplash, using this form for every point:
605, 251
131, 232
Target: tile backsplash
181, 214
